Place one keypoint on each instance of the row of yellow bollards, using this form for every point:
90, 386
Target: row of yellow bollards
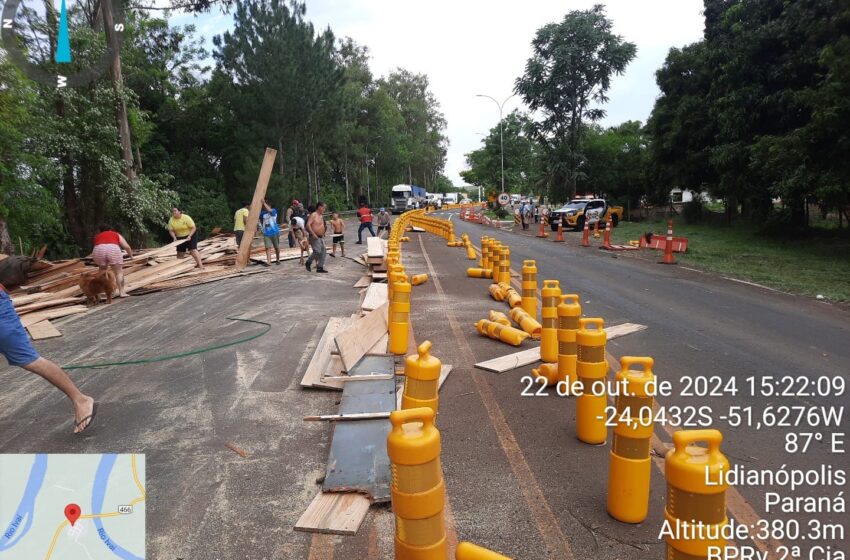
573, 352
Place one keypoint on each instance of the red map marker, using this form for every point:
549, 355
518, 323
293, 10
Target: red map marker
72, 512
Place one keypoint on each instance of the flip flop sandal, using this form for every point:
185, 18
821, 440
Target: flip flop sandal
89, 418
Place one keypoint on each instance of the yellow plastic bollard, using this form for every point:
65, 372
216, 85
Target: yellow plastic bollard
529, 288
418, 490
591, 369
399, 317
551, 293
526, 322
470, 252
485, 252
421, 378
629, 464
418, 279
504, 333
497, 293
513, 298
505, 265
495, 258
469, 551
479, 272
689, 499
569, 313
549, 372
499, 317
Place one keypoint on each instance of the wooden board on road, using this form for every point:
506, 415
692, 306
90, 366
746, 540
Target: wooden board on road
321, 360
43, 329
254, 211
376, 296
355, 341
334, 513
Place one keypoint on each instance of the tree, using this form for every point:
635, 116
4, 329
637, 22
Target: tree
570, 69
521, 158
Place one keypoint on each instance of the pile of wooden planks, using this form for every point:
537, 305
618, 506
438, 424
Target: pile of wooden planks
374, 259
52, 288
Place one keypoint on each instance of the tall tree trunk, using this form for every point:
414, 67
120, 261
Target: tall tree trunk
347, 192
280, 155
118, 87
6, 245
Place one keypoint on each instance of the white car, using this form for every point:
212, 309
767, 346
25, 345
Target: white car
466, 201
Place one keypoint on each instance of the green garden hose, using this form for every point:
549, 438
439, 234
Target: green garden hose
182, 354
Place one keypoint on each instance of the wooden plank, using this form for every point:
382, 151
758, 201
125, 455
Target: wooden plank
532, 355
334, 513
350, 417
379, 277
374, 248
256, 203
380, 347
321, 357
354, 342
363, 282
19, 301
33, 318
52, 302
153, 253
346, 378
43, 329
376, 296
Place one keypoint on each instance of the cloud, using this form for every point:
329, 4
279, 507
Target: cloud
467, 47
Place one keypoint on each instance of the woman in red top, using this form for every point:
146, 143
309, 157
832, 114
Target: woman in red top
107, 252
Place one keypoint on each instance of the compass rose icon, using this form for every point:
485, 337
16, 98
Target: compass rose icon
41, 40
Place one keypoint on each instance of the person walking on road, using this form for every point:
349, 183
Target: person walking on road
239, 222
18, 351
107, 254
271, 232
383, 222
181, 226
316, 231
337, 237
365, 214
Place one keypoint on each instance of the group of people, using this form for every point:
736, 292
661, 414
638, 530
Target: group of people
308, 229
528, 211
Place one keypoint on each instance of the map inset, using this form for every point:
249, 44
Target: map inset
72, 507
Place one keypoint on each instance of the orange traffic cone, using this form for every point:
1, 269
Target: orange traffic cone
606, 243
668, 246
560, 237
596, 229
542, 228
585, 236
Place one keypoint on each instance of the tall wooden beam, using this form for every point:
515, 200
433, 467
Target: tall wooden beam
256, 204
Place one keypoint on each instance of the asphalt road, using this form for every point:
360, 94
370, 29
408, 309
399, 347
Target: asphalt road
518, 480
504, 453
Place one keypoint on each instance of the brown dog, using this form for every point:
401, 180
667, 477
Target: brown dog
95, 283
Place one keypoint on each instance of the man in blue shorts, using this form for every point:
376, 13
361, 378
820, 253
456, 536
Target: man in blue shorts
16, 348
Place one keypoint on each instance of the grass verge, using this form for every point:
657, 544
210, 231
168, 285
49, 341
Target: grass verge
818, 264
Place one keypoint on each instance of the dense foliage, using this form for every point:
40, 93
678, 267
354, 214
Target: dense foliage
195, 125
754, 114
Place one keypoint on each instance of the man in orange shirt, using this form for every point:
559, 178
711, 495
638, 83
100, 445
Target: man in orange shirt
365, 214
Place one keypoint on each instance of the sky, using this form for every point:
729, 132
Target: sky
470, 47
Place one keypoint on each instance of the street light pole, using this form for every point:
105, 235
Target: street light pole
501, 131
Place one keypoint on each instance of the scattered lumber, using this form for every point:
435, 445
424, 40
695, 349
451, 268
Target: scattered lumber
334, 513
355, 341
323, 360
346, 378
374, 251
376, 296
53, 286
363, 282
43, 329
254, 211
349, 417
532, 355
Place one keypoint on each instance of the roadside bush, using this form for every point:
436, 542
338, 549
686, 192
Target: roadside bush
500, 212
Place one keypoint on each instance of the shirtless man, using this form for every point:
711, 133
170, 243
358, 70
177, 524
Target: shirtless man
316, 232
337, 238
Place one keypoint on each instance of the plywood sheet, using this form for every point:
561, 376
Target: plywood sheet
334, 513
319, 364
358, 460
43, 329
376, 296
363, 282
356, 340
374, 248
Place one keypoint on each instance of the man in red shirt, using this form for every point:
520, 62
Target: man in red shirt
16, 348
365, 214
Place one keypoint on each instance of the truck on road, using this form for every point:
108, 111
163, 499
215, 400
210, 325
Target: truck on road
406, 197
